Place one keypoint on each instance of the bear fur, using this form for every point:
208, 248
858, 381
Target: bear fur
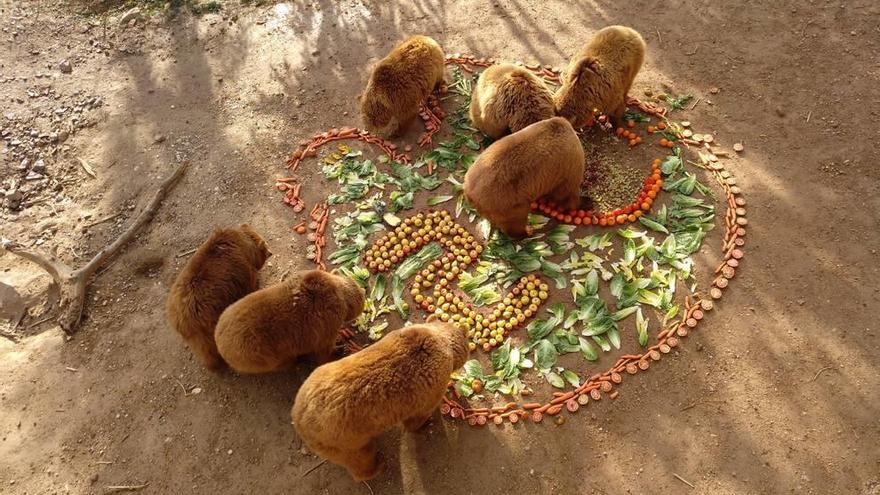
267, 330
508, 98
543, 160
343, 406
400, 83
600, 76
222, 270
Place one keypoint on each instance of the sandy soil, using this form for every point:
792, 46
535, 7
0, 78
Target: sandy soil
777, 394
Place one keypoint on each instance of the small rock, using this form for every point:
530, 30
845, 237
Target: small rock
714, 90
46, 224
229, 452
159, 138
65, 67
39, 167
780, 111
62, 136
94, 478
196, 391
33, 176
131, 14
13, 200
738, 147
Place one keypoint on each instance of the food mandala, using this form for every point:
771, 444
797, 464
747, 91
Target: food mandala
542, 313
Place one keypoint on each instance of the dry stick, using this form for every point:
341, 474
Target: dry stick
820, 372
73, 283
186, 253
660, 38
696, 103
313, 468
810, 114
40, 322
105, 219
369, 488
686, 482
126, 488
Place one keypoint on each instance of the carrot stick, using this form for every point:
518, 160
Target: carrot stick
562, 398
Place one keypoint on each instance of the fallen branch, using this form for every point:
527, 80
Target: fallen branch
686, 482
820, 372
126, 488
186, 253
73, 283
105, 219
313, 468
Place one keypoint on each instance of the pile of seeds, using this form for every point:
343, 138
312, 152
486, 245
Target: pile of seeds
613, 182
608, 184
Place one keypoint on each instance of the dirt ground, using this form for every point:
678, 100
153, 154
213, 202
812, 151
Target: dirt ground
778, 392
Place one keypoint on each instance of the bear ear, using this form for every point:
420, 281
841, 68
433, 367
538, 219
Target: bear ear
431, 318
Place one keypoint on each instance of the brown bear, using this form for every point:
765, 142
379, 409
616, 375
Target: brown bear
544, 159
267, 330
343, 406
400, 83
600, 76
508, 98
223, 270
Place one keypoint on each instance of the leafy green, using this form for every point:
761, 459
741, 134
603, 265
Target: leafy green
545, 356
677, 102
555, 380
642, 328
436, 200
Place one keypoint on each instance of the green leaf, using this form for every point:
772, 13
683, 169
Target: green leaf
629, 233
400, 305
622, 314
545, 355
473, 369
671, 165
587, 349
629, 252
538, 329
378, 291
391, 219
515, 355
616, 285
614, 337
651, 224
463, 389
598, 339
558, 312
572, 378
642, 328
492, 383
678, 102
501, 356
570, 320
555, 380
591, 284
436, 200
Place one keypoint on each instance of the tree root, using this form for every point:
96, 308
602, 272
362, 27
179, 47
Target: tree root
73, 284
